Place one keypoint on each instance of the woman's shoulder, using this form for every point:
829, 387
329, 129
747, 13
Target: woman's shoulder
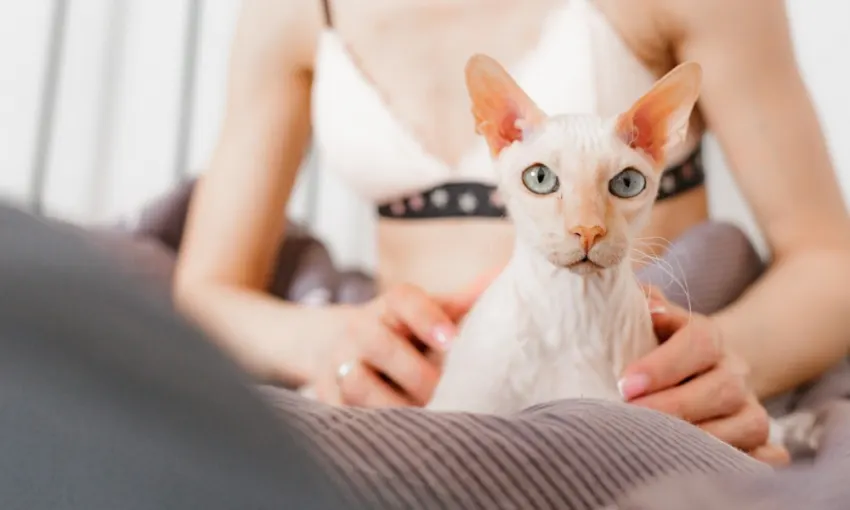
679, 19
644, 28
286, 31
654, 30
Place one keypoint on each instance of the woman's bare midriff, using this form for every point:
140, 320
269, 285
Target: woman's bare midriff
444, 255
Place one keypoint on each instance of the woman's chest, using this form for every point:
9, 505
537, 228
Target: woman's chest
412, 56
409, 60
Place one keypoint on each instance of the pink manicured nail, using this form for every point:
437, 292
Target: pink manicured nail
657, 309
633, 386
443, 335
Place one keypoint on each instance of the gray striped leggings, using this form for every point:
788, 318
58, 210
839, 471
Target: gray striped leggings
563, 455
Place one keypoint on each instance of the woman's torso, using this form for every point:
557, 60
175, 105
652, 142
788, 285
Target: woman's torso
392, 131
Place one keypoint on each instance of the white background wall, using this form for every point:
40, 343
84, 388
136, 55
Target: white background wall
115, 139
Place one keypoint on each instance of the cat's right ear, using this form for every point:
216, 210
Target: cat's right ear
503, 111
659, 120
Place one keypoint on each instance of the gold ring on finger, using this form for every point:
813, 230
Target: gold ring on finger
343, 370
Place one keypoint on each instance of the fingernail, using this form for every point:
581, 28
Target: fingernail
656, 306
633, 386
443, 335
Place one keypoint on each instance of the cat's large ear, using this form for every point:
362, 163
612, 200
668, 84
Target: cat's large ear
502, 110
659, 119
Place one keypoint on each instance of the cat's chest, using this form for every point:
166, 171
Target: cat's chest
568, 320
569, 351
575, 344
570, 373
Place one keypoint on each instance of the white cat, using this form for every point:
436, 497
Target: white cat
567, 314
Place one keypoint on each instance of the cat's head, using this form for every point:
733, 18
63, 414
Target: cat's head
579, 189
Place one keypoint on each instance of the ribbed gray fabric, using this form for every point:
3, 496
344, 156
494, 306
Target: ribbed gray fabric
568, 455
819, 485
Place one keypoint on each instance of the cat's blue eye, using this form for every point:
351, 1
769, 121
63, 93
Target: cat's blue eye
627, 184
540, 179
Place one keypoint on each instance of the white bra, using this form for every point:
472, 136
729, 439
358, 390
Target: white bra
581, 65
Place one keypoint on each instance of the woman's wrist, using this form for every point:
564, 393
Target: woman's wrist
727, 324
275, 340
318, 329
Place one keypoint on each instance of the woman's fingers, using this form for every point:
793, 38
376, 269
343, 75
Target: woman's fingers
667, 318
390, 369
746, 430
715, 394
691, 350
360, 386
656, 299
771, 454
408, 309
393, 355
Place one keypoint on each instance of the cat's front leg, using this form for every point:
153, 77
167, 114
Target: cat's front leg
459, 394
475, 377
637, 337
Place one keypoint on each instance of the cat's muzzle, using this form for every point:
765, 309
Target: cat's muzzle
579, 263
585, 266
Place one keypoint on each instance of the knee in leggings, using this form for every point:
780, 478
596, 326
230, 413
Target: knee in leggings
716, 234
728, 244
707, 267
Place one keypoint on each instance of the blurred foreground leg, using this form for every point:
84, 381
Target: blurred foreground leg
108, 400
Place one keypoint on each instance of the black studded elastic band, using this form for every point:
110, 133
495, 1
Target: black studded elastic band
477, 200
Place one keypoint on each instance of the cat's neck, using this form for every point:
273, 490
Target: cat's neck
537, 276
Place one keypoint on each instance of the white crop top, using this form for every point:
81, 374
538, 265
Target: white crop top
581, 65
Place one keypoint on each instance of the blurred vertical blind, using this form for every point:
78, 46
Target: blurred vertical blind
105, 104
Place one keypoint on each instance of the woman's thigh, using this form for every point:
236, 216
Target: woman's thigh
570, 454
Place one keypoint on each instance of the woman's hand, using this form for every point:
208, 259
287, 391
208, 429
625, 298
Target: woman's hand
390, 353
692, 375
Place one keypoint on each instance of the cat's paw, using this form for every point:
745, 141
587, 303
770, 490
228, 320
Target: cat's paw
800, 432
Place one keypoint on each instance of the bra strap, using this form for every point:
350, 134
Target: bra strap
326, 5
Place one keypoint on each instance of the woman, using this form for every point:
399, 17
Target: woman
403, 137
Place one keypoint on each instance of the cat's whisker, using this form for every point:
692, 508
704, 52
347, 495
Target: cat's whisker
654, 238
661, 263
654, 241
664, 244
642, 287
666, 267
652, 259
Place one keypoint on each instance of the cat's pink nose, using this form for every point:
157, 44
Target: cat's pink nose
588, 236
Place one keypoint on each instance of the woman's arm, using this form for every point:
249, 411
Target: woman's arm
237, 215
794, 323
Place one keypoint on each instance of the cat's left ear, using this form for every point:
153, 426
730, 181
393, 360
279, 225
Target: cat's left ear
502, 110
659, 119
